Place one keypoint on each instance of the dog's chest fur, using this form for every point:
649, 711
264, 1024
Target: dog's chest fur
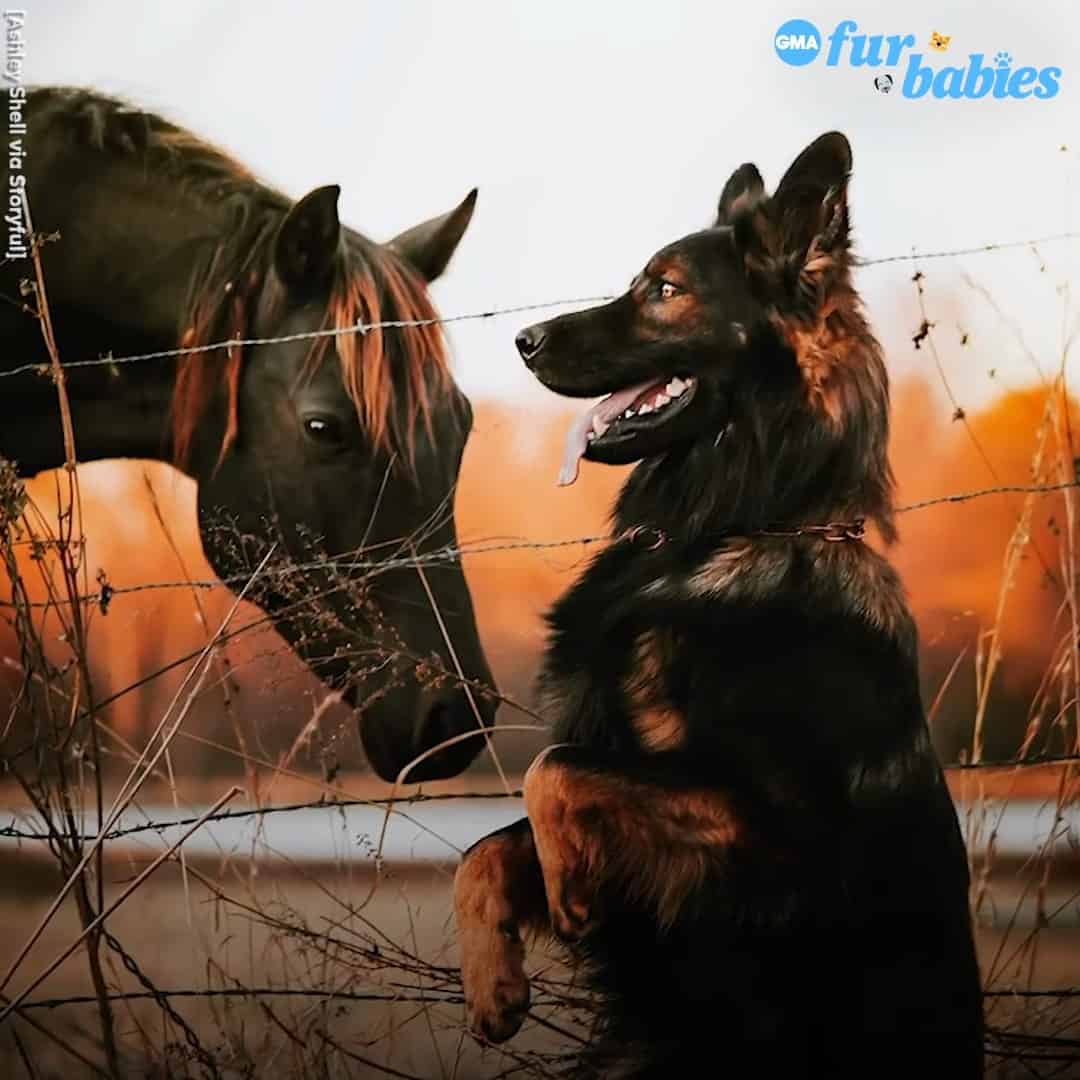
643, 633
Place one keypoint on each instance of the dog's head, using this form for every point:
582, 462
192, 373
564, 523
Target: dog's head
671, 350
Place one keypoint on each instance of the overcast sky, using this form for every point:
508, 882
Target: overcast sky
597, 131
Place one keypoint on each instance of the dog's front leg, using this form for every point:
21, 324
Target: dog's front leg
498, 900
638, 825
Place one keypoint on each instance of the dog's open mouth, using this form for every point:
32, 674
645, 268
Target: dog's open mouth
610, 428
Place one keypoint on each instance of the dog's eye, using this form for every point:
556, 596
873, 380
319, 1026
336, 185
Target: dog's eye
668, 289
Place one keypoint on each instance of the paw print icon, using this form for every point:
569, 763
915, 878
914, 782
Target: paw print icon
1003, 59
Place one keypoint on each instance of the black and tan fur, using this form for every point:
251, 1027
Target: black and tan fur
742, 831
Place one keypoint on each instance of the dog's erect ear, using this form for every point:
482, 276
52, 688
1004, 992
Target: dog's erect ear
741, 192
308, 240
429, 246
810, 203
792, 243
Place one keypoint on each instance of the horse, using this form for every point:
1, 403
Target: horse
339, 445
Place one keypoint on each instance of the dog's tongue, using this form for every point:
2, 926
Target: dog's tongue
605, 410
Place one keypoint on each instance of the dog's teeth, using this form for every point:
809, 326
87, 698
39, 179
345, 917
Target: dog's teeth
626, 415
661, 401
676, 388
645, 408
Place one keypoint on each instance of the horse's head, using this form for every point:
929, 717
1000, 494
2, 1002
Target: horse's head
345, 449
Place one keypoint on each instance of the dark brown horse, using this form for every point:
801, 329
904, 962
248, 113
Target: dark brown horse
344, 448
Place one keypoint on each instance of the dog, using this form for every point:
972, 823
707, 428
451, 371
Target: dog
742, 831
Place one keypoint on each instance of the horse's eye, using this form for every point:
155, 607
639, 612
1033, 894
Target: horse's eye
324, 430
668, 289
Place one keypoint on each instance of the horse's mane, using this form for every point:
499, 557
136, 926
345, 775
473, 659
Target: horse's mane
392, 376
123, 130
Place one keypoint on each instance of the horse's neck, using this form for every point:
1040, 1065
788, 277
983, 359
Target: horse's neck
117, 280
117, 412
127, 239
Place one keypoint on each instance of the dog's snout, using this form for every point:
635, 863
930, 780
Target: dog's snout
529, 342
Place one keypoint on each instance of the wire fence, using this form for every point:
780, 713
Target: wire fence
13, 831
453, 553
406, 324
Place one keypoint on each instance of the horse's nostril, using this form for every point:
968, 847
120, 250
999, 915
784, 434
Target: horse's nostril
529, 342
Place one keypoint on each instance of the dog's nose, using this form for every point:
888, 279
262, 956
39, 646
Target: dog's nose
529, 342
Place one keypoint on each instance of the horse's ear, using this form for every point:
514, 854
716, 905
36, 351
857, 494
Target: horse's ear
308, 240
429, 246
744, 188
810, 204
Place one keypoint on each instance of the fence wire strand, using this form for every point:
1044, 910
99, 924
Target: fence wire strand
15, 832
406, 324
451, 553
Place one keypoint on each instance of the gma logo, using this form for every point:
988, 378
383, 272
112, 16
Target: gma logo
798, 41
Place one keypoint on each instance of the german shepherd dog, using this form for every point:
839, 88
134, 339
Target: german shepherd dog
742, 830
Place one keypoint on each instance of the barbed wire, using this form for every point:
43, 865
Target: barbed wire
433, 994
1061, 992
303, 335
202, 1055
444, 554
492, 313
999, 489
15, 832
980, 249
1041, 761
451, 553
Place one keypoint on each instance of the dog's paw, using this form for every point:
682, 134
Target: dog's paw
496, 987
